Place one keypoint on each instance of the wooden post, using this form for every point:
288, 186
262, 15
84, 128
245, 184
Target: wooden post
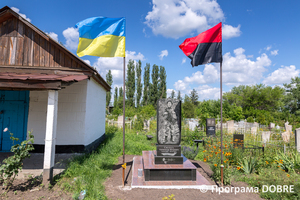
50, 137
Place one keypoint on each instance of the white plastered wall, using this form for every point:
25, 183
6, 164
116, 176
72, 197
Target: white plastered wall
80, 118
95, 112
70, 117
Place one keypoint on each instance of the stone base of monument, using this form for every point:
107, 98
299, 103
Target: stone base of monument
145, 174
156, 169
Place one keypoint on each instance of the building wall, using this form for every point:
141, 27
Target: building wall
70, 117
95, 112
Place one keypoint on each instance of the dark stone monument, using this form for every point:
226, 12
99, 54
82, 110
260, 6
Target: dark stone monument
210, 127
238, 140
168, 149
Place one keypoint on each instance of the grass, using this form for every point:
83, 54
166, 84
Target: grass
89, 171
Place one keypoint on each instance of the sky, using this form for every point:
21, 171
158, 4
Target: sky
260, 38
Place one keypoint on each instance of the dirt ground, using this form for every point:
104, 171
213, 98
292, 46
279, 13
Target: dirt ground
31, 189
115, 191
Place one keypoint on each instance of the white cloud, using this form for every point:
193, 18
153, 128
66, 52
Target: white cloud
72, 38
163, 53
268, 48
87, 62
206, 92
229, 31
177, 18
183, 60
239, 69
274, 53
115, 64
282, 75
17, 10
209, 75
180, 85
54, 36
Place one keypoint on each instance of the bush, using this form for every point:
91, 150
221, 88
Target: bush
189, 153
13, 164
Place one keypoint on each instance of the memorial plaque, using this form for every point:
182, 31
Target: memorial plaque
168, 121
210, 127
238, 140
168, 150
168, 160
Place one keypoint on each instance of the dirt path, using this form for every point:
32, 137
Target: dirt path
115, 191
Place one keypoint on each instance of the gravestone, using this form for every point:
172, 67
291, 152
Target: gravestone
210, 127
230, 126
120, 121
265, 136
286, 136
254, 130
147, 125
297, 139
272, 125
168, 149
238, 140
288, 127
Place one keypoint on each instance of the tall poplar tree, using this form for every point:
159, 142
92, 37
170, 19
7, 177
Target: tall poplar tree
146, 99
116, 97
139, 85
109, 80
130, 83
154, 94
162, 86
179, 96
173, 94
120, 98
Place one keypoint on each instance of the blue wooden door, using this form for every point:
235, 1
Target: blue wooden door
13, 117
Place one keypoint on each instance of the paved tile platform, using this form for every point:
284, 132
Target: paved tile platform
139, 181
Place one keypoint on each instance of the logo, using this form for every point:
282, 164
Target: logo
203, 188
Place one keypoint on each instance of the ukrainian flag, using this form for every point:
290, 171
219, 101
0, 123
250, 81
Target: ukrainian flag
102, 37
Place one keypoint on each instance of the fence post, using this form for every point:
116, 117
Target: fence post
284, 148
297, 139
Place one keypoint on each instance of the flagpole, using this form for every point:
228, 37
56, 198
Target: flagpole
221, 101
123, 122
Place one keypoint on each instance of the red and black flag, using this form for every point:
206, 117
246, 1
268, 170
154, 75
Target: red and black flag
204, 48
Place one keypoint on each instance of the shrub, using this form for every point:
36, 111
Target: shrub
13, 164
189, 153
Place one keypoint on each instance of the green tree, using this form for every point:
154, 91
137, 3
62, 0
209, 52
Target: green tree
145, 100
188, 108
120, 99
194, 97
139, 85
154, 86
109, 80
173, 94
130, 84
162, 86
292, 98
116, 98
179, 96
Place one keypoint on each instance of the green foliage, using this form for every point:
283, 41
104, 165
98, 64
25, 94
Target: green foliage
248, 164
194, 97
154, 95
189, 152
130, 84
170, 197
116, 98
250, 119
162, 86
139, 85
289, 161
146, 93
292, 97
172, 94
109, 80
13, 164
179, 95
188, 108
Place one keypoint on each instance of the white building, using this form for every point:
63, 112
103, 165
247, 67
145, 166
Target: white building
47, 89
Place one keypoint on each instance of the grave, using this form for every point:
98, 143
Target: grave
166, 166
265, 136
168, 132
254, 130
238, 140
230, 126
210, 127
297, 139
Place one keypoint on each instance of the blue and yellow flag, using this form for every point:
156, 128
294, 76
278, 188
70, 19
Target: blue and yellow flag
102, 37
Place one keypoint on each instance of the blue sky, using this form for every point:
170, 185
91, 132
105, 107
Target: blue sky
260, 38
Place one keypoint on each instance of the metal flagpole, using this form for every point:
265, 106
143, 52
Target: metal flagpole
124, 165
221, 101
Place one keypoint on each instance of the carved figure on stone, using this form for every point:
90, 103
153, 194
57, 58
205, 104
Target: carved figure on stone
168, 122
